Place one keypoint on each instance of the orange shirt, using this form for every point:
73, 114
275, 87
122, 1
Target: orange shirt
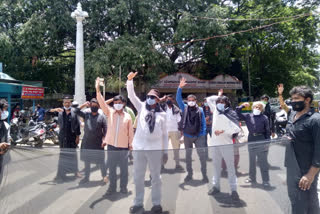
120, 130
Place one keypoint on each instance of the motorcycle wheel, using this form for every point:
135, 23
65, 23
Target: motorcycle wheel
39, 143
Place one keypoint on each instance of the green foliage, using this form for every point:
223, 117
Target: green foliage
37, 41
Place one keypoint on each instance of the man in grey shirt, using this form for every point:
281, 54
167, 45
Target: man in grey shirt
95, 130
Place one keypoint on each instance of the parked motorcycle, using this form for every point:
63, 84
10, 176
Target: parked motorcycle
31, 134
52, 132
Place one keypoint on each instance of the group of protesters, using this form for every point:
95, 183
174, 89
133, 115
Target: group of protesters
159, 121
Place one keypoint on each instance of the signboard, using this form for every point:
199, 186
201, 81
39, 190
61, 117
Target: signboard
29, 92
220, 81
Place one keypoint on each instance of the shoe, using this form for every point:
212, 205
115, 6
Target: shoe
110, 191
60, 179
85, 180
250, 181
188, 178
135, 209
213, 191
235, 196
205, 179
163, 169
124, 190
266, 185
156, 209
179, 167
209, 159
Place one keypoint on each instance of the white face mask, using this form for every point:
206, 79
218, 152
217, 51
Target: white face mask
67, 108
191, 103
4, 115
151, 101
221, 107
118, 106
256, 112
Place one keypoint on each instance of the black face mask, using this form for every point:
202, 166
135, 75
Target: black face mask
169, 102
298, 106
94, 109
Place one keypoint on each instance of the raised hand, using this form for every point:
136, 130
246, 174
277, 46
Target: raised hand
98, 84
220, 93
280, 89
132, 75
246, 105
59, 110
183, 82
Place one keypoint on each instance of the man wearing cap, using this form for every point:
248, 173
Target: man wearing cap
150, 139
69, 134
193, 124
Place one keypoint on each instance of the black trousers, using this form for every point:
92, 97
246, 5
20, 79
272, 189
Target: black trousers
302, 202
201, 148
118, 157
258, 151
68, 162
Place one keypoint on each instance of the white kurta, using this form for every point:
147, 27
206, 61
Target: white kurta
143, 139
221, 122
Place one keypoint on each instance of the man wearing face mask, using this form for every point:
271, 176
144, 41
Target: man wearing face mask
95, 129
225, 127
259, 130
119, 139
40, 113
4, 117
208, 114
193, 124
173, 118
15, 111
269, 113
69, 136
303, 152
150, 145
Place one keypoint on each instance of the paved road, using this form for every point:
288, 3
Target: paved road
29, 188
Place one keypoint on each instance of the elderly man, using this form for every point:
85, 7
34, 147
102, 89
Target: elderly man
259, 130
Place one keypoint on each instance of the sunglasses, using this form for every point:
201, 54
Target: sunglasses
151, 97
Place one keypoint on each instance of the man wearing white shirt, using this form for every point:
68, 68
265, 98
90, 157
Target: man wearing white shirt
173, 118
225, 126
150, 139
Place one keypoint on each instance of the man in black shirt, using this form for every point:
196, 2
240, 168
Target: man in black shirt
269, 112
303, 153
69, 133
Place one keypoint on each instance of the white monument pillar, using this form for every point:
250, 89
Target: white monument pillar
80, 95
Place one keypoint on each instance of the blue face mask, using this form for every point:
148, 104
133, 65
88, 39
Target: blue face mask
220, 107
150, 101
206, 104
